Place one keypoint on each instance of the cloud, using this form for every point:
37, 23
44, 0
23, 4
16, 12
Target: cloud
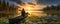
29, 1
17, 1
49, 2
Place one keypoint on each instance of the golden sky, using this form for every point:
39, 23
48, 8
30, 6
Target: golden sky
31, 8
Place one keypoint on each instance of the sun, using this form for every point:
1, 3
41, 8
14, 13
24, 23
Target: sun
31, 8
28, 8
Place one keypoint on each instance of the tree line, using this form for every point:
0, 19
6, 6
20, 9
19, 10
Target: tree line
52, 8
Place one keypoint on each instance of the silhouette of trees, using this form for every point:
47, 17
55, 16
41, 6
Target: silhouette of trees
52, 8
6, 9
3, 5
3, 8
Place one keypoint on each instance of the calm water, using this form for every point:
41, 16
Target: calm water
38, 17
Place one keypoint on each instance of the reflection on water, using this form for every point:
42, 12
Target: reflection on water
36, 13
41, 17
4, 20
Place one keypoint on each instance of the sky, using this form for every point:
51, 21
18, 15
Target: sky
29, 1
41, 2
49, 2
45, 2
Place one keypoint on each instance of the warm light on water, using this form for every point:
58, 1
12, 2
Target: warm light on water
35, 13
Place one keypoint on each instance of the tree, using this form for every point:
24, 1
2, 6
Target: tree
52, 8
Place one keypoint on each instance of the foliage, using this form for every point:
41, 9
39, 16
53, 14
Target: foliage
51, 8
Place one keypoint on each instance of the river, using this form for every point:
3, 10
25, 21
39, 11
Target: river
38, 17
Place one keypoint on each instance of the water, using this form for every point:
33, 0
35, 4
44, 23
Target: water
4, 20
38, 17
41, 17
